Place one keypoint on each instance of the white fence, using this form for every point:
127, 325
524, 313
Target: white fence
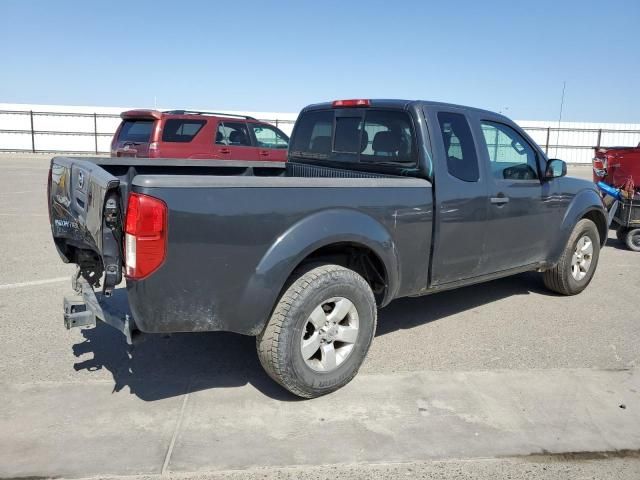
75, 129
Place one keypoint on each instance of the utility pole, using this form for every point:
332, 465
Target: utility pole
564, 85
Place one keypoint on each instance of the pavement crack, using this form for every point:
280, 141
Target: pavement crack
176, 431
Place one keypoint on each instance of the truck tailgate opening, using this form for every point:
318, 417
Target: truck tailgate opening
86, 219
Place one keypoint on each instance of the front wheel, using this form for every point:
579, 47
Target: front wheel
578, 262
320, 331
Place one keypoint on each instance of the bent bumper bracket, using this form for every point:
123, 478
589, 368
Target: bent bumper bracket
85, 307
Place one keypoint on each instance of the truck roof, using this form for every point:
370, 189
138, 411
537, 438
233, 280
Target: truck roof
402, 104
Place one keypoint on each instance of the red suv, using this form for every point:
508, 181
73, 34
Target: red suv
187, 134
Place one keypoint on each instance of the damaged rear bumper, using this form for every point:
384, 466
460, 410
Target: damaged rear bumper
85, 307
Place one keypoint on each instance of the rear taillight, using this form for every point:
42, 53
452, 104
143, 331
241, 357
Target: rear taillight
154, 149
600, 166
145, 236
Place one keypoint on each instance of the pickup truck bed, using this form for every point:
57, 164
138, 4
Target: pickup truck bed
237, 230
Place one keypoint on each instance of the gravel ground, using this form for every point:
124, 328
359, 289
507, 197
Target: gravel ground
540, 468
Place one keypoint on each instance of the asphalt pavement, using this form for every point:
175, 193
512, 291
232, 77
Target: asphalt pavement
502, 378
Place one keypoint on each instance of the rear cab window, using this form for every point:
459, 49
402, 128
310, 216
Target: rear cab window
181, 130
364, 138
459, 146
136, 131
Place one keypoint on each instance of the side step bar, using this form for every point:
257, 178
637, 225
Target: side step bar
85, 307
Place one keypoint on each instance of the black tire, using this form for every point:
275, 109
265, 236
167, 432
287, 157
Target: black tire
560, 278
632, 239
621, 233
279, 344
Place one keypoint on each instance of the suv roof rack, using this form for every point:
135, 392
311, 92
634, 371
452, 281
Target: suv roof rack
194, 112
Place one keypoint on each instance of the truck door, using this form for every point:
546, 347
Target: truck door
271, 142
233, 142
519, 209
461, 205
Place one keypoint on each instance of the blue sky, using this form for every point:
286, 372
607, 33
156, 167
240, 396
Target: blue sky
506, 56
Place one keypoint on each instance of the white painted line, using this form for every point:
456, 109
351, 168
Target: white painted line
34, 283
23, 215
23, 191
43, 168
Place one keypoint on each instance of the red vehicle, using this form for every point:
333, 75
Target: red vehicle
615, 165
197, 135
619, 167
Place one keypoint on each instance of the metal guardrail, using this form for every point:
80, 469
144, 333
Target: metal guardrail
33, 133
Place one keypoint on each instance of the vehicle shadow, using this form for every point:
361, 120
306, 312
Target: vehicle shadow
613, 242
407, 313
164, 366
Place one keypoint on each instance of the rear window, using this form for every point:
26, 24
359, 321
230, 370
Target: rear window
313, 134
181, 130
365, 136
138, 131
388, 136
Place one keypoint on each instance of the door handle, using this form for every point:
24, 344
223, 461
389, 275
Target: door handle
501, 199
264, 153
225, 150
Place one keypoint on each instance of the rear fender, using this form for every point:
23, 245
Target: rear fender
303, 238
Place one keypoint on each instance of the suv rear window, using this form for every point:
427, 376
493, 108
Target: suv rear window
365, 136
138, 131
181, 130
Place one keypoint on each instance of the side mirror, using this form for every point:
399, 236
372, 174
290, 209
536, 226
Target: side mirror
555, 168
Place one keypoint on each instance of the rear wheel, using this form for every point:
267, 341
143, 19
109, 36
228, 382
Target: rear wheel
578, 262
320, 331
632, 239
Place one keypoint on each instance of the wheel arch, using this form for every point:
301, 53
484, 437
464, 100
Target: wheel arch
343, 236
599, 218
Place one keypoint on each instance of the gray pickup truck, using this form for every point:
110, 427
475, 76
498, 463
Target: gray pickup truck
379, 199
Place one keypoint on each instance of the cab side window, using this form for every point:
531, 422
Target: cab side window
221, 135
233, 134
462, 161
510, 155
269, 137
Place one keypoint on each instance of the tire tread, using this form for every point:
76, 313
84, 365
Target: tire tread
557, 277
269, 344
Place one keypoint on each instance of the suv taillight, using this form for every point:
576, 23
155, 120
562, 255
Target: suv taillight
600, 166
145, 236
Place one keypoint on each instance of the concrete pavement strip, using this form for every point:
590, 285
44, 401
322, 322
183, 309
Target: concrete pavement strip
81, 430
